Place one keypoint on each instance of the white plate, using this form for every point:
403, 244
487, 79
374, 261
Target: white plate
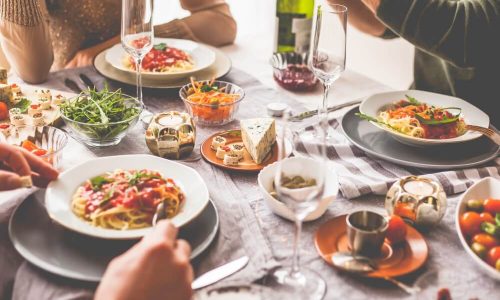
60, 192
202, 56
486, 188
472, 115
266, 179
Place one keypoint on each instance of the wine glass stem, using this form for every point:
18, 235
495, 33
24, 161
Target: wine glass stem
139, 79
326, 90
296, 249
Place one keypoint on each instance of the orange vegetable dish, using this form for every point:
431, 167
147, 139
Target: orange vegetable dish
210, 102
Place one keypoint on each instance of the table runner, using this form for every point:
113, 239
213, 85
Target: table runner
361, 175
247, 224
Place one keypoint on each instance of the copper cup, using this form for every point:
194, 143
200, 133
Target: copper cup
366, 232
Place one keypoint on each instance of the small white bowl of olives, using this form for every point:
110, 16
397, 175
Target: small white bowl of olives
266, 185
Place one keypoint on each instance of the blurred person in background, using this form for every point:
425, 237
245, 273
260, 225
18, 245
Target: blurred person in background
38, 36
457, 43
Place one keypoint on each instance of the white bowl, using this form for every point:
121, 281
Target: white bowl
266, 179
60, 192
472, 115
202, 56
485, 188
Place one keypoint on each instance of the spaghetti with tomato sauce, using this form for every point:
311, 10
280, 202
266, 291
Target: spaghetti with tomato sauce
162, 59
126, 199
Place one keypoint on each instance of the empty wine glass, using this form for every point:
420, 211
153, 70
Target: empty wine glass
137, 36
299, 184
327, 57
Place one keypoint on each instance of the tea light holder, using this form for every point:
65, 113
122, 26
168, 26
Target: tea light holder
171, 135
419, 201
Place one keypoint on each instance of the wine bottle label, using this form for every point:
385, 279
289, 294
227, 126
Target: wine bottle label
302, 30
294, 31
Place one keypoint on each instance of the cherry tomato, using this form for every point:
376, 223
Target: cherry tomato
39, 152
492, 206
485, 239
396, 231
487, 217
470, 223
4, 111
493, 256
29, 145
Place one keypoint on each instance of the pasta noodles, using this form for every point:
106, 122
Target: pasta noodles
421, 120
125, 200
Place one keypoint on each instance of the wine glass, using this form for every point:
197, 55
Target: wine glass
301, 282
137, 36
327, 57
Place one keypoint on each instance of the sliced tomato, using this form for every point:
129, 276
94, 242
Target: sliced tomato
485, 239
470, 223
396, 232
493, 256
39, 152
487, 217
28, 145
492, 206
4, 111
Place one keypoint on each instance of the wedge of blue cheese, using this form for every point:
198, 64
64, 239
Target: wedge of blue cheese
6, 94
258, 136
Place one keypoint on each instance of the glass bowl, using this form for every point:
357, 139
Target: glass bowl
44, 137
290, 71
213, 114
104, 134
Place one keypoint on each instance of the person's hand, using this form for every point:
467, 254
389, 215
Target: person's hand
16, 162
157, 267
85, 57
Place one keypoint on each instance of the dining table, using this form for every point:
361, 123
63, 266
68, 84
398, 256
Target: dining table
247, 225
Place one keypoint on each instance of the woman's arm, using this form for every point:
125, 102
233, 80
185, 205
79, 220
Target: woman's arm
361, 17
464, 33
25, 39
210, 22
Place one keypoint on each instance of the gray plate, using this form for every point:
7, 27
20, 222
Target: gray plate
60, 251
378, 143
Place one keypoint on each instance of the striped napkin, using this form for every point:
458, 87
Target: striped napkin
361, 175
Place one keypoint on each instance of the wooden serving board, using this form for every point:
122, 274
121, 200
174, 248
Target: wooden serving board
51, 116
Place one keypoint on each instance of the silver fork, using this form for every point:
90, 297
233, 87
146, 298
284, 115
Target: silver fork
490, 133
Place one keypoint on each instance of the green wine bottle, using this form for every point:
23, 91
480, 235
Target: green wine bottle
293, 25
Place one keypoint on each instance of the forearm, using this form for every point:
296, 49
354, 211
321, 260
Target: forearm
361, 17
212, 25
25, 39
463, 33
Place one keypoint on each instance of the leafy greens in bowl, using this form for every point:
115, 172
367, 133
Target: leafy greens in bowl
101, 118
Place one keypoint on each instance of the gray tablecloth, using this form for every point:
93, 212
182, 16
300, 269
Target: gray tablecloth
247, 224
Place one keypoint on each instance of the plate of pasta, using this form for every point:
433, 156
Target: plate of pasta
420, 118
116, 197
169, 58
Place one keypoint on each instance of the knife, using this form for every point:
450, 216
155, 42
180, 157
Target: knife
220, 273
72, 85
87, 81
308, 114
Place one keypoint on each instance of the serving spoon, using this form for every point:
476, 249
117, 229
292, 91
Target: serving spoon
356, 264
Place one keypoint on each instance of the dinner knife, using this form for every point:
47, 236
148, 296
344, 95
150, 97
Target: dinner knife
72, 85
220, 273
308, 114
88, 82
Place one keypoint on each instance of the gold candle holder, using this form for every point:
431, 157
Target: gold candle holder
419, 201
171, 135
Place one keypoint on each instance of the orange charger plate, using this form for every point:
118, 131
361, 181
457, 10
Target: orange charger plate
246, 164
398, 260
